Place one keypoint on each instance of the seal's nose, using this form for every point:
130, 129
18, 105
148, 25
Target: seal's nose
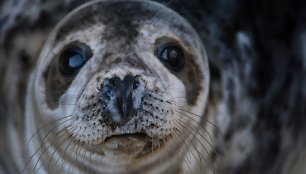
123, 97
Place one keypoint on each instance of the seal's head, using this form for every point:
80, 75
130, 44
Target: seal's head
119, 79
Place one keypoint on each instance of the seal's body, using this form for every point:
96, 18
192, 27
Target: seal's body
108, 71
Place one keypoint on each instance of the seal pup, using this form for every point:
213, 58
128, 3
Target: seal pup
119, 87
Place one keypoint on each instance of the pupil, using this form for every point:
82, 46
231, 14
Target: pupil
173, 54
76, 61
173, 57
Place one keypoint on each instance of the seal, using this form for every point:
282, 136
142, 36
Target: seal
119, 87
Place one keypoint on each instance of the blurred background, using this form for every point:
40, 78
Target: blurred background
257, 54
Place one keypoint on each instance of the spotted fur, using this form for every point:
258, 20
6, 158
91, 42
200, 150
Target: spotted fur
257, 90
80, 106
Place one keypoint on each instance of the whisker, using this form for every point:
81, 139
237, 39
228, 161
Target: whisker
188, 153
194, 148
183, 97
152, 146
161, 162
64, 155
200, 134
168, 155
63, 142
43, 151
45, 126
195, 132
182, 109
177, 130
191, 119
76, 153
210, 143
210, 137
32, 156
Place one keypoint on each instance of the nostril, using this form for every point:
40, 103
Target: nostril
112, 82
135, 84
108, 85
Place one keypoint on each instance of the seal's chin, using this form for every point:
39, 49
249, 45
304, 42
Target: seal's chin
133, 145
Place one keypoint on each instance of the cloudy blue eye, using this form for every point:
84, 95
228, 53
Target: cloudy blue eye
72, 59
76, 61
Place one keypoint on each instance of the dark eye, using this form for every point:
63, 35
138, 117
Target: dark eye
72, 59
172, 57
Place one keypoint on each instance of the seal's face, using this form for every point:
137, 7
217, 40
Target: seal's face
123, 77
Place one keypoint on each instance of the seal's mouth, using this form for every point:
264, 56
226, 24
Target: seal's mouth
136, 144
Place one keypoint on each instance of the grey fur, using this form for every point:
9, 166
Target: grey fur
257, 65
122, 38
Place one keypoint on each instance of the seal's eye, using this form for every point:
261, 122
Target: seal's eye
172, 57
72, 59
